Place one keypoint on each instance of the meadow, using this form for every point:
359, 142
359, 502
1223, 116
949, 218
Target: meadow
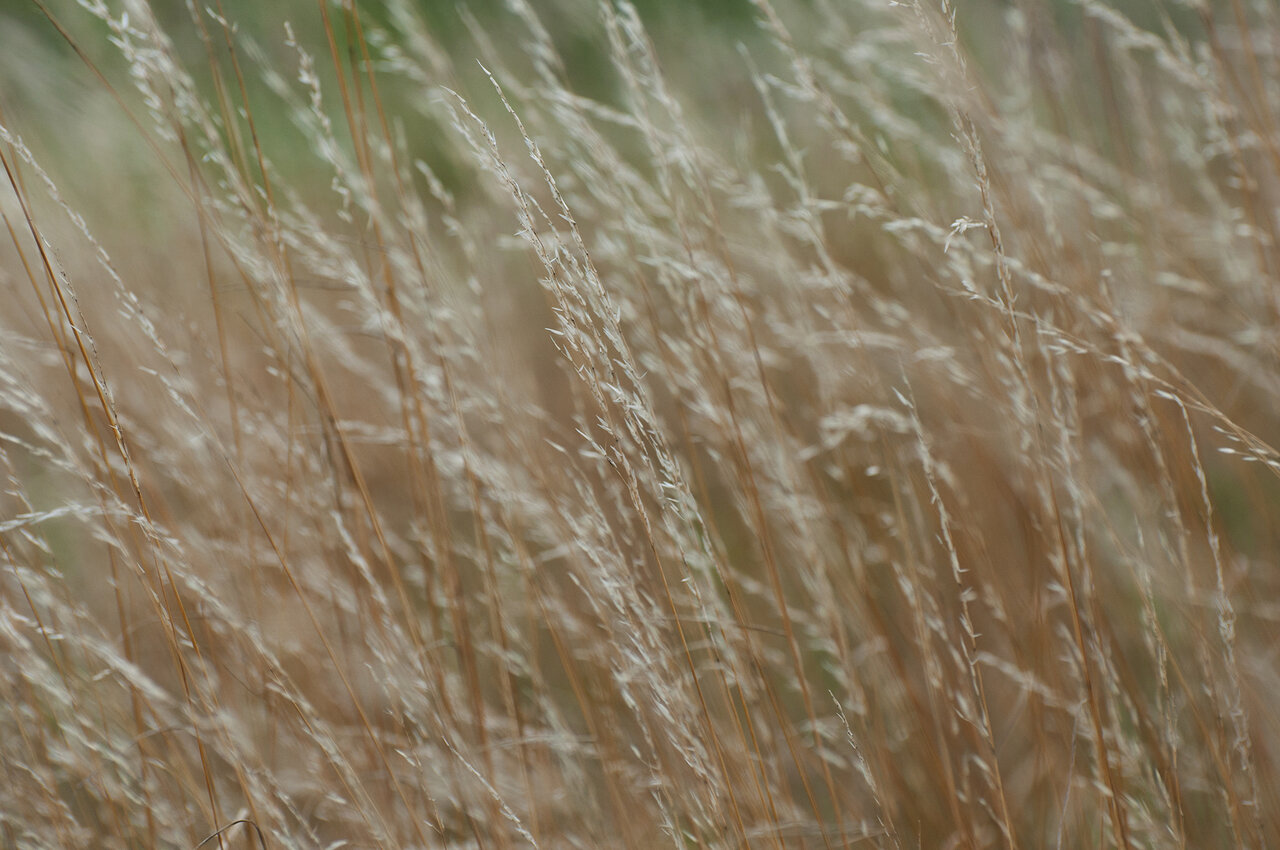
596, 424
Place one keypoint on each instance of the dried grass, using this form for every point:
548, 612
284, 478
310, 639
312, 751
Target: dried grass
862, 437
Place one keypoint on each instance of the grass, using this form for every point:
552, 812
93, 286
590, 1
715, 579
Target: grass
848, 428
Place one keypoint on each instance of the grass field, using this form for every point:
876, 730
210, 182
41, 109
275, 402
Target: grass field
559, 423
